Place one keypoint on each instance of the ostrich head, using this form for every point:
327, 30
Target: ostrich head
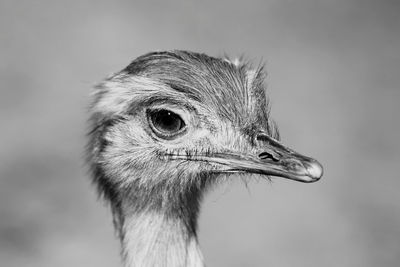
168, 126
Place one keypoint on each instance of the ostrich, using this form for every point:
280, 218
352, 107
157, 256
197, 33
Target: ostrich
166, 128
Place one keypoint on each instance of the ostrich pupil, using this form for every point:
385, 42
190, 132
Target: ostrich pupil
166, 121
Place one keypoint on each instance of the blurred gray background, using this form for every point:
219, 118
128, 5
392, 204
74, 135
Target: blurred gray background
334, 77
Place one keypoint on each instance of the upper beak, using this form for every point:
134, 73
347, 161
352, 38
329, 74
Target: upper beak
278, 160
272, 158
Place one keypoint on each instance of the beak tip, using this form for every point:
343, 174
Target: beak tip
315, 170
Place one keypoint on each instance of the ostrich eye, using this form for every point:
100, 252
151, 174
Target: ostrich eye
165, 123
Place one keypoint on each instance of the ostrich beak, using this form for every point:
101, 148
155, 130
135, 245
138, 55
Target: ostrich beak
272, 158
276, 159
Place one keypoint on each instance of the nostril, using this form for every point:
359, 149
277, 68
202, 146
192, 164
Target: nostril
266, 155
262, 137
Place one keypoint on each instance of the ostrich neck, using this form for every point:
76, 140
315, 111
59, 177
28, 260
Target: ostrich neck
163, 236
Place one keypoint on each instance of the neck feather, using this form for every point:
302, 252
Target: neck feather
151, 239
161, 232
